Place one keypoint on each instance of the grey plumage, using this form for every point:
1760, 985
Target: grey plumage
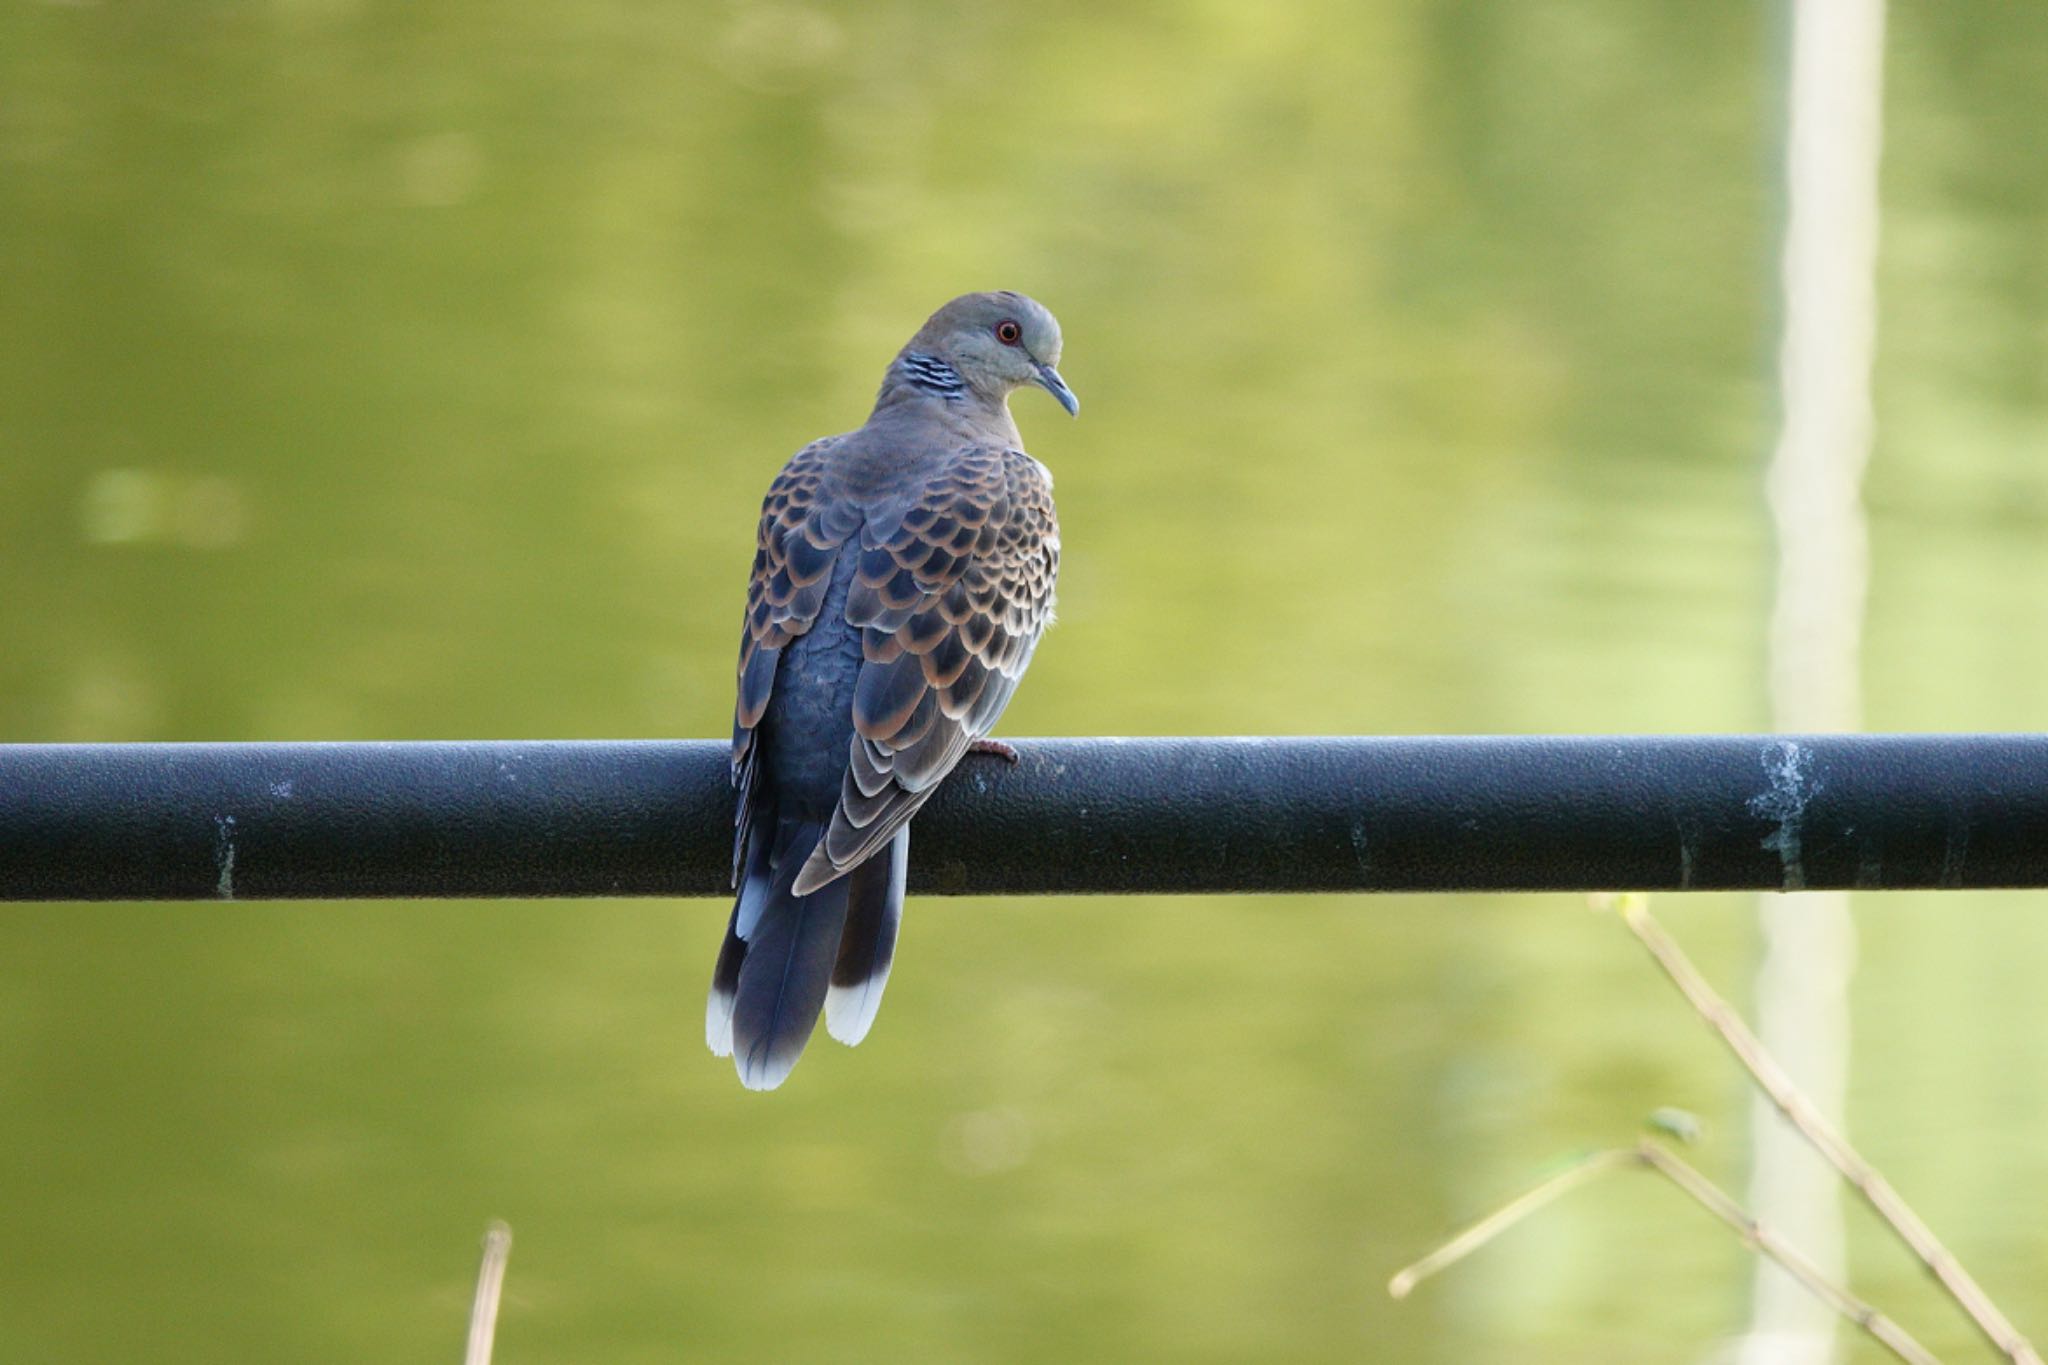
902, 576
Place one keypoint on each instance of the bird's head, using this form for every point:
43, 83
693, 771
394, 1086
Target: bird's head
997, 343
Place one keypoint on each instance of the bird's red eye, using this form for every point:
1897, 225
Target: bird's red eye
1009, 333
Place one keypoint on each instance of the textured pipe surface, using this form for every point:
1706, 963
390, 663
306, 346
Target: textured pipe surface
646, 817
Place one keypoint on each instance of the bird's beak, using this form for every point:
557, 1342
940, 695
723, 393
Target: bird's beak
1050, 380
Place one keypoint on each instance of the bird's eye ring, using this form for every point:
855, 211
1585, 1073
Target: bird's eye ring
1008, 332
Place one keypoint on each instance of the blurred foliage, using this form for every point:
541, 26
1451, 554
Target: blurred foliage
383, 371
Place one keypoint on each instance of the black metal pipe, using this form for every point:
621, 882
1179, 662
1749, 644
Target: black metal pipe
633, 818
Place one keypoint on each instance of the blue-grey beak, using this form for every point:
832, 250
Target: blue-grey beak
1050, 379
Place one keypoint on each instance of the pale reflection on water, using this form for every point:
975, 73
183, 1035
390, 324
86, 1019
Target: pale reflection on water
391, 375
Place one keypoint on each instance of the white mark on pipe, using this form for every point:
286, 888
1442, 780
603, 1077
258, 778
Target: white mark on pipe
1358, 851
282, 790
1687, 854
224, 856
1953, 851
1785, 763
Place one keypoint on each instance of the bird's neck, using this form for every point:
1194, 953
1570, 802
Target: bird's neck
924, 375
924, 388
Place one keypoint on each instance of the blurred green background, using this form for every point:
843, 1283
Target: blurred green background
372, 370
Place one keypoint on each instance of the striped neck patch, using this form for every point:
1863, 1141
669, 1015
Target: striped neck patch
929, 374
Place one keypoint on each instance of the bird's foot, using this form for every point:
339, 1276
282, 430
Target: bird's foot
996, 747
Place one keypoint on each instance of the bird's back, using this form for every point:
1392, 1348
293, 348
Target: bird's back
805, 733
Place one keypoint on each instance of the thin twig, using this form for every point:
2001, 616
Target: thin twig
1801, 1114
1506, 1216
1718, 1202
490, 1284
1654, 1156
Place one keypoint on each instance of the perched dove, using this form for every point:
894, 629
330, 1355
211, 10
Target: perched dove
903, 575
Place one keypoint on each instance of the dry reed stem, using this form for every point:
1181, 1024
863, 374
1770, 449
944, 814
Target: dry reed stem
1634, 910
1655, 1157
490, 1285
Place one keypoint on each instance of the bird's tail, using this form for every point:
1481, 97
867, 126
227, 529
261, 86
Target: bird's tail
786, 955
874, 911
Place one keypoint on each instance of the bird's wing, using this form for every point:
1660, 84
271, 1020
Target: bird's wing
801, 532
950, 601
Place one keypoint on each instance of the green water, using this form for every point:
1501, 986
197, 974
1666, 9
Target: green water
393, 371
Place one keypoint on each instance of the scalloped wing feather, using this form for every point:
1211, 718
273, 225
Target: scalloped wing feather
799, 538
951, 599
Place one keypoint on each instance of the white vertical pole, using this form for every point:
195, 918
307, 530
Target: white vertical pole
1815, 486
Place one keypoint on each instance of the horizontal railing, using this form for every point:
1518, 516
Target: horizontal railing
654, 818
